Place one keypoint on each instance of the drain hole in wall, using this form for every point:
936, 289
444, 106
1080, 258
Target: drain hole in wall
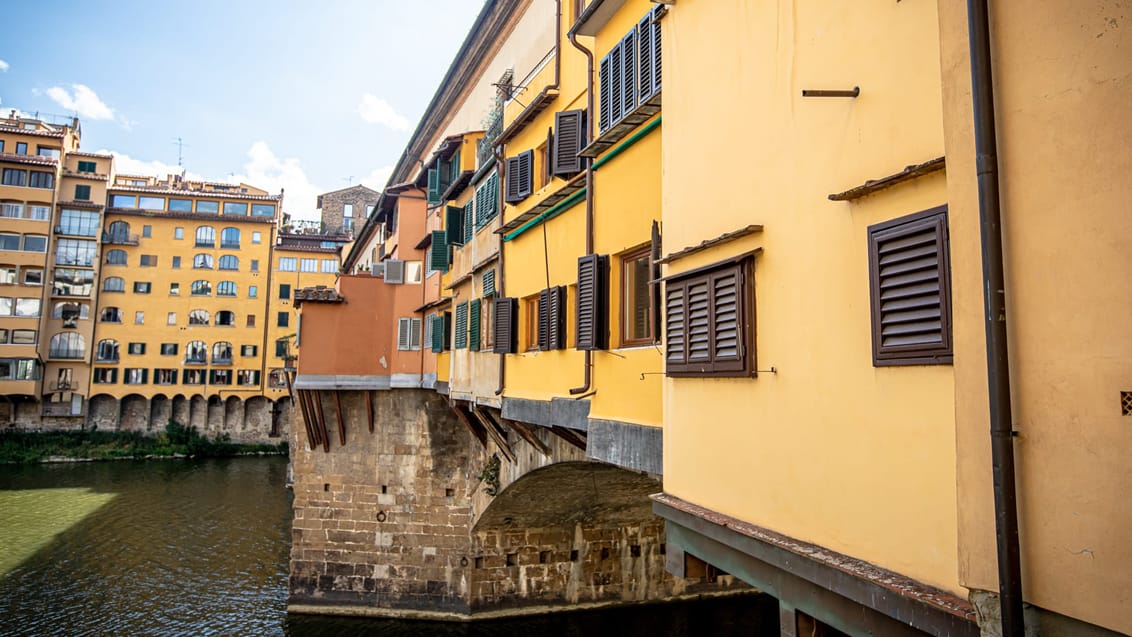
512, 559
543, 557
663, 548
448, 493
605, 554
326, 486
634, 550
479, 562
384, 489
574, 555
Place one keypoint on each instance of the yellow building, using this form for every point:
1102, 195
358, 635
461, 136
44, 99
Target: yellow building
184, 307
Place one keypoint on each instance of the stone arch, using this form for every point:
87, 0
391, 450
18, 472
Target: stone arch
198, 412
181, 414
134, 413
102, 412
257, 417
233, 415
160, 412
215, 419
281, 417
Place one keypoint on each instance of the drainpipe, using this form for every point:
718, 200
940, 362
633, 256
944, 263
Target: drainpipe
575, 391
499, 169
994, 298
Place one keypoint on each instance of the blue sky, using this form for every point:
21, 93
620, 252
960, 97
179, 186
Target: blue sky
299, 95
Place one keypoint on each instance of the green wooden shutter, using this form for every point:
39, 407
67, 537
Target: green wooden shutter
439, 256
462, 325
474, 325
433, 186
436, 333
469, 227
489, 283
454, 225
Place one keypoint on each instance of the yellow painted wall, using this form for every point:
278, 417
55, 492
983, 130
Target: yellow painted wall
276, 304
829, 449
1062, 95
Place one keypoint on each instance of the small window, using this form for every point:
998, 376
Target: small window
251, 320
198, 317
82, 193
257, 237
105, 375
285, 291
180, 205
139, 318
168, 349
308, 265
123, 201
141, 287
709, 322
636, 305
106, 351
206, 237
208, 207
263, 210
33, 276
253, 291
35, 243
171, 318
151, 203
116, 257
255, 265
408, 334
229, 262
281, 348
226, 318
226, 288
87, 167
174, 289
147, 231
178, 233
283, 319
249, 350
233, 208
201, 288
288, 264
202, 262
136, 349
230, 238
21, 148
176, 263
149, 260
114, 284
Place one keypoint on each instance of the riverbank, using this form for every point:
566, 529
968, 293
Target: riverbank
176, 441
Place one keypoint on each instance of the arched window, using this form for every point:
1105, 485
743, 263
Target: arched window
118, 232
201, 288
116, 257
226, 318
202, 262
229, 262
198, 317
110, 315
226, 288
230, 238
196, 352
70, 312
222, 353
107, 351
206, 237
67, 345
114, 284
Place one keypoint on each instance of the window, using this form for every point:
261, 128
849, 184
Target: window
461, 336
24, 337
105, 375
226, 288
79, 223
164, 377
136, 349
21, 148
10, 242
110, 315
255, 265
12, 210
201, 288
178, 233
222, 353
253, 291
229, 262
180, 205
123, 201
408, 334
206, 237
636, 305
709, 322
68, 345
141, 287
75, 252
250, 320
107, 351
281, 348
114, 284
35, 243
283, 319
220, 377
247, 377
196, 352
520, 170
46, 151
910, 290
9, 275
176, 265
330, 266
168, 349
285, 291
70, 312
249, 350
147, 231
202, 262
28, 308
348, 210
233, 208
174, 289
68, 282
230, 238
308, 265
171, 318
193, 377
33, 276
630, 72
288, 264
14, 177
487, 200
136, 376
209, 207
148, 260
412, 272
226, 318
257, 237
151, 203
39, 179
263, 210
116, 257
88, 167
139, 318
198, 317
38, 213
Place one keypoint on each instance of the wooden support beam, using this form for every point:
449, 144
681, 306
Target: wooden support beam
308, 410
525, 431
576, 438
311, 442
369, 410
321, 421
498, 435
338, 416
477, 431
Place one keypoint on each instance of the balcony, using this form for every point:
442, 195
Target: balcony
222, 360
66, 353
63, 385
196, 360
120, 238
232, 245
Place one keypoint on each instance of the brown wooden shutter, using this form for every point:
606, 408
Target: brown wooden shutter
629, 73
544, 320
592, 316
698, 320
526, 173
709, 320
556, 318
513, 189
910, 285
655, 252
605, 96
727, 313
504, 326
569, 138
676, 341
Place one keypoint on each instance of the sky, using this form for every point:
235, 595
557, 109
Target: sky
306, 96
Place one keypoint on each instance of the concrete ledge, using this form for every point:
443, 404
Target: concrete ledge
561, 412
636, 447
333, 381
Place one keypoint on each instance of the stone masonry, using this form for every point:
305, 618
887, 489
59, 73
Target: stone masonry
333, 205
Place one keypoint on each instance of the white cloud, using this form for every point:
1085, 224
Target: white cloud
127, 165
375, 110
377, 178
270, 172
4, 66
83, 101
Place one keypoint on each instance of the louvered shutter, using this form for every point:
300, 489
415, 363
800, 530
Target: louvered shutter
698, 320
514, 187
676, 342
488, 288
728, 316
909, 272
592, 315
492, 197
454, 225
615, 85
556, 318
469, 228
436, 333
526, 173
394, 271
605, 96
569, 138
544, 320
433, 186
404, 335
656, 48
505, 326
439, 255
461, 325
644, 58
655, 251
628, 73
474, 325
481, 202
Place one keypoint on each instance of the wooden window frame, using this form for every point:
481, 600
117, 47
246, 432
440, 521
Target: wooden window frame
626, 259
935, 220
531, 322
742, 268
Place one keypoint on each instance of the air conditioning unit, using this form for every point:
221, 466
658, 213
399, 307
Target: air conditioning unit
394, 271
378, 269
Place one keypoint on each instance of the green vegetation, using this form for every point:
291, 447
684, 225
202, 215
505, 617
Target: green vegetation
24, 447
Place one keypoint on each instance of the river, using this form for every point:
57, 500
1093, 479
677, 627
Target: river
201, 547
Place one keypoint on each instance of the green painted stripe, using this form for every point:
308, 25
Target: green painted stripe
627, 142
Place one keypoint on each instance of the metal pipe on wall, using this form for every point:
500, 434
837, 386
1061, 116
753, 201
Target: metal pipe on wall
587, 380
